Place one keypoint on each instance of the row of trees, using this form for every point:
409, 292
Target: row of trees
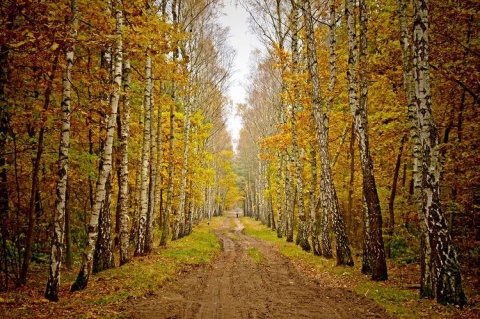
112, 126
342, 86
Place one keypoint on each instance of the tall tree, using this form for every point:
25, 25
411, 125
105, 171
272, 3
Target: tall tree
359, 113
426, 276
34, 201
144, 194
53, 283
81, 281
447, 284
302, 234
328, 192
123, 191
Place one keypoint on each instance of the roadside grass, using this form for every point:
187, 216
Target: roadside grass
395, 294
256, 255
111, 290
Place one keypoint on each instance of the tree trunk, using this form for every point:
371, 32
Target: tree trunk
179, 229
123, 190
171, 175
316, 247
35, 176
359, 113
302, 234
142, 221
60, 215
278, 181
326, 243
158, 196
351, 182
289, 205
87, 255
391, 201
103, 254
448, 284
152, 207
68, 237
136, 203
171, 169
426, 266
328, 192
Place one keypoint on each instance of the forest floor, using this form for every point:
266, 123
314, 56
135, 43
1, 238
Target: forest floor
231, 268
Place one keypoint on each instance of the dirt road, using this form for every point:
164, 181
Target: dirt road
239, 286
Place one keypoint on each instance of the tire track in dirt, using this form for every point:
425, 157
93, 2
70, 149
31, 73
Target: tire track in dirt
234, 286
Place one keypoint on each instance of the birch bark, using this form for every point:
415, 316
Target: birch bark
426, 270
152, 207
447, 278
81, 281
313, 227
302, 234
123, 196
328, 192
142, 221
53, 282
359, 114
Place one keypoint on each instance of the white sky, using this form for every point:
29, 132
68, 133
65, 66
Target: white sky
244, 42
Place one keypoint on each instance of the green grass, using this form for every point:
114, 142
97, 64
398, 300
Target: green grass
255, 254
256, 229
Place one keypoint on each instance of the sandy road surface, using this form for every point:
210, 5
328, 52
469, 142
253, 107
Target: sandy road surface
235, 286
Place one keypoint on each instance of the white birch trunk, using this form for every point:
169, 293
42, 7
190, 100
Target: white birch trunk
426, 276
87, 255
153, 175
328, 192
447, 280
359, 114
313, 228
53, 283
124, 134
142, 221
278, 181
302, 234
171, 175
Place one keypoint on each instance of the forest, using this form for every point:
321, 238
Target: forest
359, 138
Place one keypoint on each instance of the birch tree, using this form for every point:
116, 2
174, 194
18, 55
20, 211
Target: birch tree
447, 278
123, 191
144, 195
53, 283
328, 192
426, 276
302, 234
359, 114
83, 276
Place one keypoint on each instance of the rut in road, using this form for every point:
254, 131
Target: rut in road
235, 286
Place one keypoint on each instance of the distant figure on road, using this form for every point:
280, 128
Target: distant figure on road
237, 215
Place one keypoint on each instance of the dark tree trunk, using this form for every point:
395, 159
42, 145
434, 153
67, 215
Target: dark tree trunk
35, 176
391, 201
